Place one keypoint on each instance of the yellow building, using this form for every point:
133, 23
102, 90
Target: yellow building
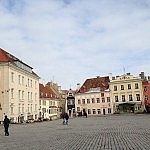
126, 93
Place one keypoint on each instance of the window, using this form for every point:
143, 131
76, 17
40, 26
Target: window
122, 87
102, 94
83, 101
28, 82
22, 108
136, 86
98, 111
44, 102
98, 100
79, 101
12, 77
19, 109
108, 99
94, 111
44, 110
35, 96
35, 107
123, 98
130, 98
22, 80
12, 110
35, 84
19, 79
103, 100
31, 95
146, 97
78, 108
22, 94
28, 95
129, 86
39, 102
115, 88
145, 88
31, 108
31, 83
116, 98
28, 108
88, 101
12, 93
89, 111
109, 110
50, 103
93, 100
138, 97
19, 94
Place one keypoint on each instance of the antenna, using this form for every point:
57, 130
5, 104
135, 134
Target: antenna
124, 70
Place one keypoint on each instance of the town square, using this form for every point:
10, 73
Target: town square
115, 132
74, 75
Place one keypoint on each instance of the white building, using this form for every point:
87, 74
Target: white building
50, 106
94, 97
19, 89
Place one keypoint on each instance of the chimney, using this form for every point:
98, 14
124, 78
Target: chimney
142, 75
78, 86
113, 78
128, 74
110, 76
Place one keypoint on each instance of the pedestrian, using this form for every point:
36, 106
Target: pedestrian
63, 117
6, 125
66, 118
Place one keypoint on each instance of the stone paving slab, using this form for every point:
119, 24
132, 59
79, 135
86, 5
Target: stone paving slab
115, 132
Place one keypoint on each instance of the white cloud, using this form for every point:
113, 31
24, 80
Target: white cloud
75, 40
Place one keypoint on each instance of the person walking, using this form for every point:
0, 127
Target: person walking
66, 118
63, 117
6, 125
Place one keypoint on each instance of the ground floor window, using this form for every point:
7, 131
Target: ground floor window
98, 111
89, 111
78, 108
109, 110
94, 111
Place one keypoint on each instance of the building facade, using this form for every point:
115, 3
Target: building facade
19, 89
70, 98
50, 108
126, 93
94, 98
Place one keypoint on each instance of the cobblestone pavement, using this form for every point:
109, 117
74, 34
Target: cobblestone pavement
116, 132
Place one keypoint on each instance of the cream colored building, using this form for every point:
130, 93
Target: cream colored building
126, 93
94, 97
50, 106
19, 89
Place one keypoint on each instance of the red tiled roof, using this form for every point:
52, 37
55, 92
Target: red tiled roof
46, 92
101, 82
6, 57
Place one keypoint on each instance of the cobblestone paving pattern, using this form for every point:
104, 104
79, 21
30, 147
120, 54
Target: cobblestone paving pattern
116, 132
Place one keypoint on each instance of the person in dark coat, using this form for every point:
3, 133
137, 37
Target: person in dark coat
63, 117
6, 125
66, 118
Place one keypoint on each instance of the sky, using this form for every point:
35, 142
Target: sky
68, 41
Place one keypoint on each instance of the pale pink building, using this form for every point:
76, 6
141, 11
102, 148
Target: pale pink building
93, 97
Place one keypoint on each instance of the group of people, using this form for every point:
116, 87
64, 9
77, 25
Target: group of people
6, 122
